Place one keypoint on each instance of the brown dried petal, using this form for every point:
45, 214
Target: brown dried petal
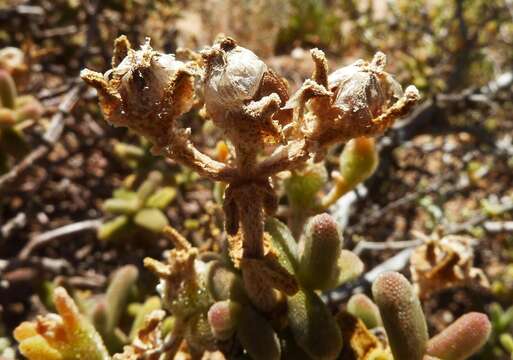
445, 263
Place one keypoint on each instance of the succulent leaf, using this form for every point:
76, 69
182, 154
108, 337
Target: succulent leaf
151, 219
161, 198
67, 336
284, 244
462, 338
314, 328
402, 316
319, 262
365, 309
8, 92
257, 336
223, 317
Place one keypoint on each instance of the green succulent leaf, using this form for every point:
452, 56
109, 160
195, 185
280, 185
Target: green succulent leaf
149, 186
302, 187
124, 194
151, 219
350, 268
8, 92
314, 328
151, 304
257, 336
113, 228
283, 242
13, 142
121, 206
161, 198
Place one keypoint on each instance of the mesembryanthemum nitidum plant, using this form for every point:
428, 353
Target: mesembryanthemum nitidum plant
148, 91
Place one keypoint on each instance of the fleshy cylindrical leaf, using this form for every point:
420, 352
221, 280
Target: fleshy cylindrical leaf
224, 284
358, 160
314, 328
319, 261
402, 316
152, 219
7, 118
462, 338
121, 206
364, 308
223, 317
117, 293
7, 90
110, 229
149, 186
257, 336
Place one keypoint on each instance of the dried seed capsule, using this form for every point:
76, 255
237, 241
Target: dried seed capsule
364, 90
233, 77
402, 316
312, 325
363, 100
462, 338
319, 262
146, 91
242, 95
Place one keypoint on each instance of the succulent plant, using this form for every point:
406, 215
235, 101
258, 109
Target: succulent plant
148, 91
365, 309
313, 326
66, 336
462, 338
322, 265
402, 316
358, 161
140, 312
15, 111
223, 317
106, 310
499, 343
406, 329
265, 295
141, 209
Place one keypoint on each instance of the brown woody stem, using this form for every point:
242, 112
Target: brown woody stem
252, 224
183, 151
